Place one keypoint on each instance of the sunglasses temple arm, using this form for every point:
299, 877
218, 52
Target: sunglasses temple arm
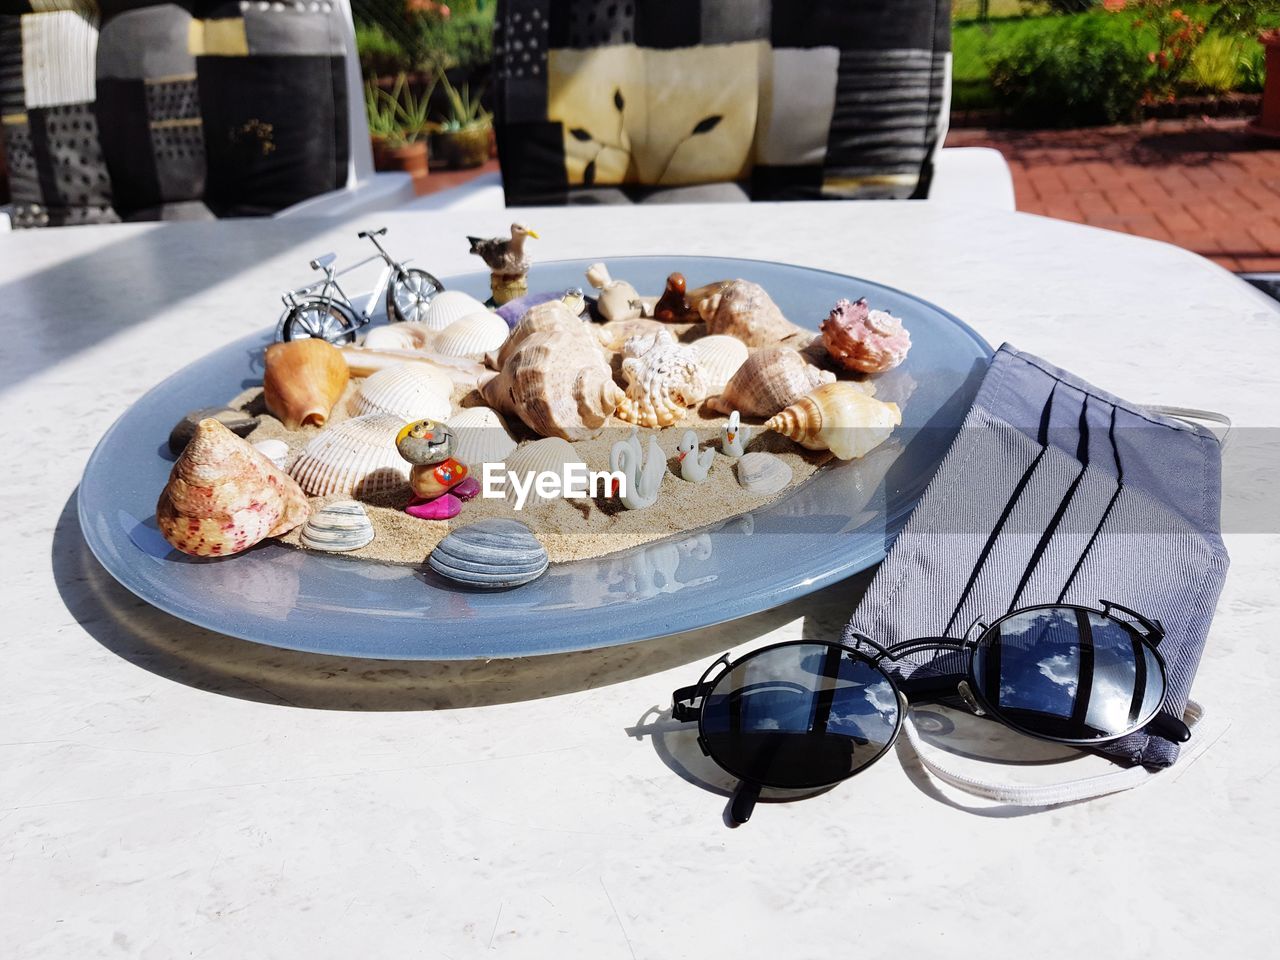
1169, 727
682, 701
744, 801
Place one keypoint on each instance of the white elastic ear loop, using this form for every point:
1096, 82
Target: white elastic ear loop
1044, 795
1192, 415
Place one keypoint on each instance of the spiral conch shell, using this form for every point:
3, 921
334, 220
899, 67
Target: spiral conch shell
223, 496
858, 338
839, 417
303, 380
663, 380
742, 309
556, 380
768, 381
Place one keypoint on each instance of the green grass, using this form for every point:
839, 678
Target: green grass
976, 44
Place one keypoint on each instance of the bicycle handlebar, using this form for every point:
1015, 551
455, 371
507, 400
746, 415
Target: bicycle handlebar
366, 234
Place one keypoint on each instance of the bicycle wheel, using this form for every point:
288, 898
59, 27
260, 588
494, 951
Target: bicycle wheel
410, 293
323, 319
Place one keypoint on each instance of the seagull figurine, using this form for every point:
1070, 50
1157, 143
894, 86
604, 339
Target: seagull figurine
504, 256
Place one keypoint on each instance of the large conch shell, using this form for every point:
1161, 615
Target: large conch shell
768, 381
742, 309
663, 380
838, 417
869, 341
303, 380
223, 496
557, 380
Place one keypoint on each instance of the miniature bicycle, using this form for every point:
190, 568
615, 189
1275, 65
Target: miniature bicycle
321, 309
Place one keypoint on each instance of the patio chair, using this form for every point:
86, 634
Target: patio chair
134, 110
668, 100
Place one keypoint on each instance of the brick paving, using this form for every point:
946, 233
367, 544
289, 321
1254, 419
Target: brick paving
1208, 185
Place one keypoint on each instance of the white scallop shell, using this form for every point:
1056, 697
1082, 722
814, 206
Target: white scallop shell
399, 336
548, 454
472, 336
482, 436
277, 451
337, 527
356, 458
450, 305
763, 473
719, 357
409, 391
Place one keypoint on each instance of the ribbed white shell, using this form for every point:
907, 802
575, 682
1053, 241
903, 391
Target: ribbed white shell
719, 357
356, 458
408, 391
450, 305
550, 453
472, 336
482, 436
399, 336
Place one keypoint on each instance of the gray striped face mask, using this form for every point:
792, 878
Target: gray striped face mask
1055, 492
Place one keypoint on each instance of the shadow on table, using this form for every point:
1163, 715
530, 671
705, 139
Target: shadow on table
172, 648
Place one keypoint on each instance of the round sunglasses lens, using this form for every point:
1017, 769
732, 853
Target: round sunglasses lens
1062, 673
799, 715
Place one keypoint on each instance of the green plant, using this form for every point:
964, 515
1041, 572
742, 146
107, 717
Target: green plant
1215, 64
1244, 17
398, 116
465, 111
380, 52
1078, 72
463, 39
1176, 33
1253, 69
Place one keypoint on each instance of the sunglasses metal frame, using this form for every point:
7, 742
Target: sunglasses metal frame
926, 689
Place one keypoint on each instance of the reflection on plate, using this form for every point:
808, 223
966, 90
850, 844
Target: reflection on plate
837, 523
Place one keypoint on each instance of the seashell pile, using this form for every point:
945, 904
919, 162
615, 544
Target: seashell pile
472, 336
482, 436
223, 496
557, 380
356, 458
338, 527
490, 554
550, 455
865, 340
767, 381
450, 305
663, 380
302, 382
763, 473
719, 358
742, 309
839, 417
407, 391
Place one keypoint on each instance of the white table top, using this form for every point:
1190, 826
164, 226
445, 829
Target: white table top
166, 791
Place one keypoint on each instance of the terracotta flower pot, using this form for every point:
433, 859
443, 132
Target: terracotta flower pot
411, 158
1269, 121
464, 148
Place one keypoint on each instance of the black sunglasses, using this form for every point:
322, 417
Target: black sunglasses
807, 714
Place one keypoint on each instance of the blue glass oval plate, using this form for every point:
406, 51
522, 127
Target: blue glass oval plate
838, 522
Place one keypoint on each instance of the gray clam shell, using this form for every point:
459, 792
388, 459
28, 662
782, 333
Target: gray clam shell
490, 554
338, 527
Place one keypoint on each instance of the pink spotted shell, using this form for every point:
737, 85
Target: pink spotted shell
869, 341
